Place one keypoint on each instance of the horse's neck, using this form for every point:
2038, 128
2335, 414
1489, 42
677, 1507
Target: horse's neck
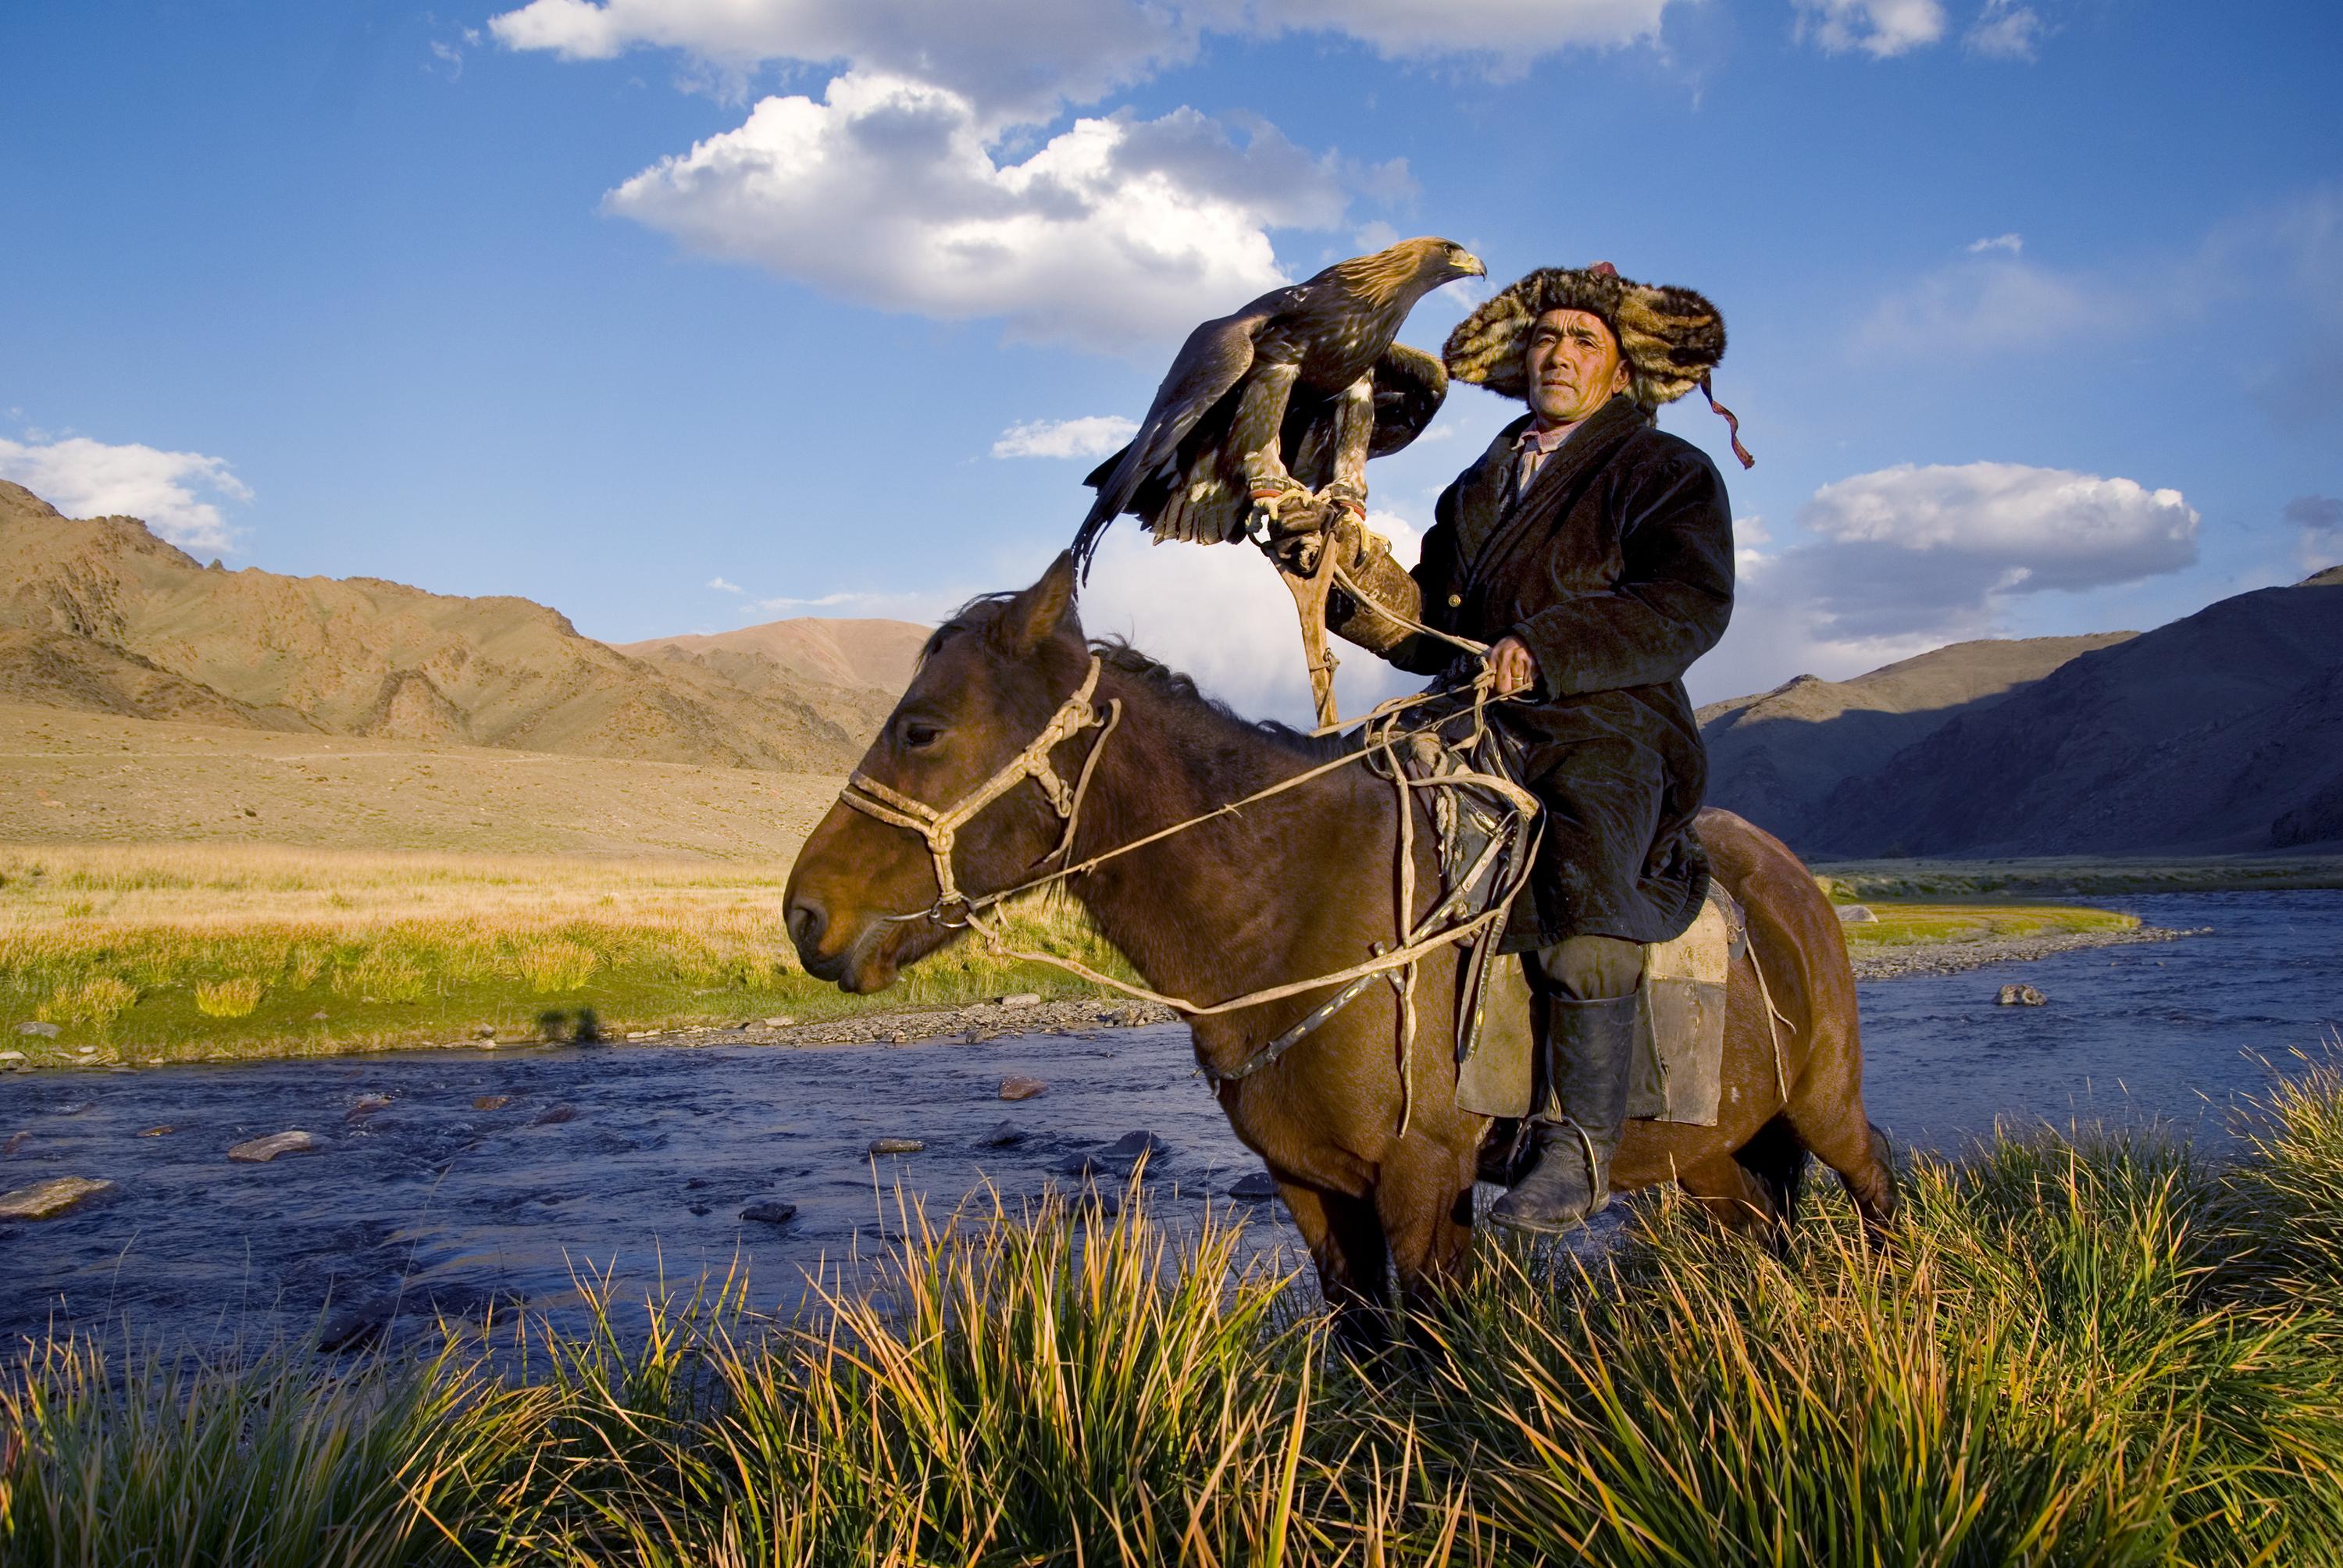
1194, 912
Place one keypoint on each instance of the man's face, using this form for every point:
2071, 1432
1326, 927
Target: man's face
1573, 366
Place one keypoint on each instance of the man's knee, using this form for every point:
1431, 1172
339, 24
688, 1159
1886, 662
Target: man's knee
1592, 968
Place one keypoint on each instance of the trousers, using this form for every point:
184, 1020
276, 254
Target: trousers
1592, 968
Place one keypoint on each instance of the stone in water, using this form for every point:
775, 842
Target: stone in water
1021, 1088
261, 1150
492, 1102
770, 1212
896, 1146
1005, 1135
2021, 996
50, 1198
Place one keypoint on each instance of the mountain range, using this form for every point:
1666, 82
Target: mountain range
100, 615
2222, 733
2219, 733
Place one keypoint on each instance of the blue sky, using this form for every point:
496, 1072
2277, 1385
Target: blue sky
2035, 305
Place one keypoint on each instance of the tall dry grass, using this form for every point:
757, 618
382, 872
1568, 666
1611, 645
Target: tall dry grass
2088, 1352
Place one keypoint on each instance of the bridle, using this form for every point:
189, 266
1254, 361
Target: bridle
939, 828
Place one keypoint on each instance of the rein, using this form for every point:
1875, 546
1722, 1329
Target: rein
938, 827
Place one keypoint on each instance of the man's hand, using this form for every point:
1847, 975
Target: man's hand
1514, 665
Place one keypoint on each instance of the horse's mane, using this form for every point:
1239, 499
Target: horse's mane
981, 613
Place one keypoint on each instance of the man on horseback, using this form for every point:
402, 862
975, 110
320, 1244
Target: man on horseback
1594, 552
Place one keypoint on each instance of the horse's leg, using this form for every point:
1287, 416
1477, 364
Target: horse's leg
1423, 1203
1732, 1195
1346, 1242
1841, 1138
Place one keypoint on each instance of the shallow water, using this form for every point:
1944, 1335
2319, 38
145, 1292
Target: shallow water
433, 1203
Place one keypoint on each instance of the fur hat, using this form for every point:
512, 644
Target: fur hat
1670, 338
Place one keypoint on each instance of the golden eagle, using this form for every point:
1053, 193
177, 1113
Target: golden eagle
1291, 395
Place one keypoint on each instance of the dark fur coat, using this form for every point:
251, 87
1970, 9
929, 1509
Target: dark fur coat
1616, 567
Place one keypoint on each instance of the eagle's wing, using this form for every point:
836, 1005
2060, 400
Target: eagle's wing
1410, 386
1208, 368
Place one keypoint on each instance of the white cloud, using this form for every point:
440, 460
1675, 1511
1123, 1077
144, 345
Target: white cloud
1018, 60
1993, 302
86, 478
2013, 243
720, 586
1092, 436
1013, 61
1930, 552
1879, 29
2005, 31
2318, 531
1513, 32
1219, 613
885, 192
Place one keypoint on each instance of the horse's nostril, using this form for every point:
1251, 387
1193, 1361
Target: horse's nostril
805, 921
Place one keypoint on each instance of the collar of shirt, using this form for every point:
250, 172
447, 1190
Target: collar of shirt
1544, 441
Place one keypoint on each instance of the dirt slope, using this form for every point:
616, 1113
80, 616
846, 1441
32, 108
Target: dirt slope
1777, 756
852, 653
97, 778
101, 616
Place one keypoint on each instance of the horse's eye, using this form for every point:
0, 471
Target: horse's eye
918, 737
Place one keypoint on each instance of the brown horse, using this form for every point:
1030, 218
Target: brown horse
1295, 885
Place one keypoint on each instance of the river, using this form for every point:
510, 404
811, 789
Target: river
644, 1157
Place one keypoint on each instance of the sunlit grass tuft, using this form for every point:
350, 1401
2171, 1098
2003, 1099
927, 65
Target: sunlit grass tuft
229, 998
2096, 1350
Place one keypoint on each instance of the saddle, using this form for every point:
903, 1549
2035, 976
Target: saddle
1677, 1074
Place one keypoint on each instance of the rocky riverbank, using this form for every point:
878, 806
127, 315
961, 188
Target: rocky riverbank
1951, 957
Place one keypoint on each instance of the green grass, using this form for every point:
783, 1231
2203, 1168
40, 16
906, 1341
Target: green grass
2067, 875
177, 952
2088, 1352
1901, 925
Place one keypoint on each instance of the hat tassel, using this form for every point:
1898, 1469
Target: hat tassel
1731, 424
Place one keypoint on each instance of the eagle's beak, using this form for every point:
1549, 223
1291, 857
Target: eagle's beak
1471, 266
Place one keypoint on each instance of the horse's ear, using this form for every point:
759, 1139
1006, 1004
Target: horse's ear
1034, 616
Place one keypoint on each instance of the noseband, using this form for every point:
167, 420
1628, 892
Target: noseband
939, 828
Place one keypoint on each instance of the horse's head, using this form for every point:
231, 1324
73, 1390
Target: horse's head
989, 683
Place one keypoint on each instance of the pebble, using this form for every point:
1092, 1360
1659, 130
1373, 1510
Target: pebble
484, 1030
47, 1200
1021, 1088
1256, 1188
770, 1212
492, 1102
319, 1016
1005, 1135
1022, 999
364, 1106
261, 1150
11, 1058
2021, 996
783, 1022
896, 1146
46, 1030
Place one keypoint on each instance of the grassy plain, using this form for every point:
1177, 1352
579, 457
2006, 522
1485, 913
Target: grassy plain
2103, 1353
178, 951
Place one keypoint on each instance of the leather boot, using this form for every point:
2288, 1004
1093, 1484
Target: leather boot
1590, 1053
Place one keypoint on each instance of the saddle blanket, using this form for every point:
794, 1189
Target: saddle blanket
1679, 1042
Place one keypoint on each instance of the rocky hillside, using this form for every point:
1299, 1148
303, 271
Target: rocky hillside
101, 616
2222, 733
787, 654
1777, 757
